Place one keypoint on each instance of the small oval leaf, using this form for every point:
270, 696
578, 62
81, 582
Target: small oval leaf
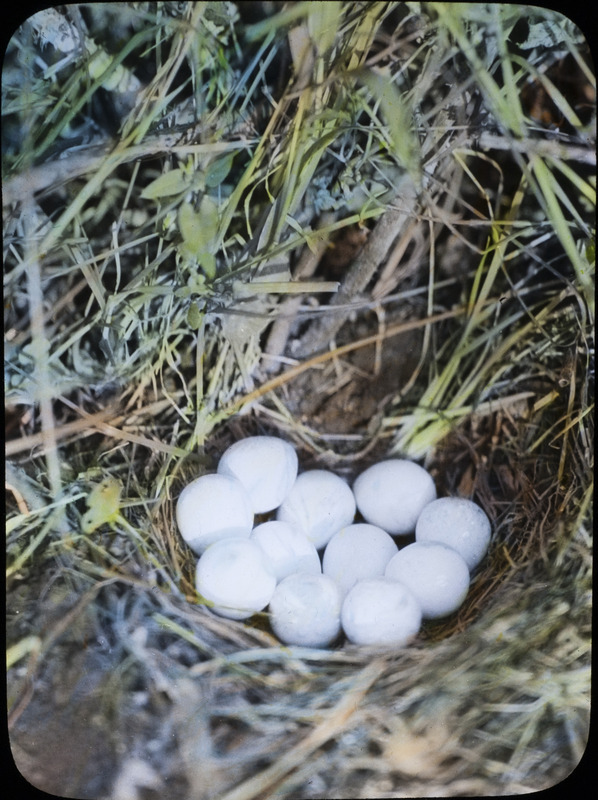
218, 170
194, 317
167, 185
190, 227
208, 211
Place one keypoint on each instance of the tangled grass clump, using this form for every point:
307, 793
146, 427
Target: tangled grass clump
367, 228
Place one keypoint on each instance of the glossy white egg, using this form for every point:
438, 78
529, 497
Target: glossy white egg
213, 507
233, 577
305, 610
457, 523
356, 552
265, 465
393, 493
436, 575
319, 504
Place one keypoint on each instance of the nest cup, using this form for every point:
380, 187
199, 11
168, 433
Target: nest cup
484, 580
506, 608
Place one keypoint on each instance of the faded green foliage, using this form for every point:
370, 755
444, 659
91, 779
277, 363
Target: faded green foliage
103, 505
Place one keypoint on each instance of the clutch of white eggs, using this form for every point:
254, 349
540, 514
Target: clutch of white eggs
317, 571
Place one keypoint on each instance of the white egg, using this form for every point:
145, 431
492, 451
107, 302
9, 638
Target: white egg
378, 611
457, 523
305, 610
286, 550
319, 504
213, 507
392, 494
265, 465
356, 552
436, 575
232, 576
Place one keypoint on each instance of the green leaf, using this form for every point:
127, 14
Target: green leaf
208, 211
189, 222
207, 261
218, 170
194, 317
170, 183
199, 228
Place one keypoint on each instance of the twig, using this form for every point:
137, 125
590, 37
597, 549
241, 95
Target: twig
389, 226
70, 165
40, 344
94, 423
540, 147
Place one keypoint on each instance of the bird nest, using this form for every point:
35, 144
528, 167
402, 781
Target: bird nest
363, 229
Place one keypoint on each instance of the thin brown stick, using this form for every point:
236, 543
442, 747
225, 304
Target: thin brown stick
390, 225
94, 423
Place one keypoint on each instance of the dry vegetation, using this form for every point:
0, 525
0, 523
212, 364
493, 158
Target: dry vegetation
367, 228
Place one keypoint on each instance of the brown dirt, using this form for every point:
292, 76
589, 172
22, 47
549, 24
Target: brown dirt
347, 395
